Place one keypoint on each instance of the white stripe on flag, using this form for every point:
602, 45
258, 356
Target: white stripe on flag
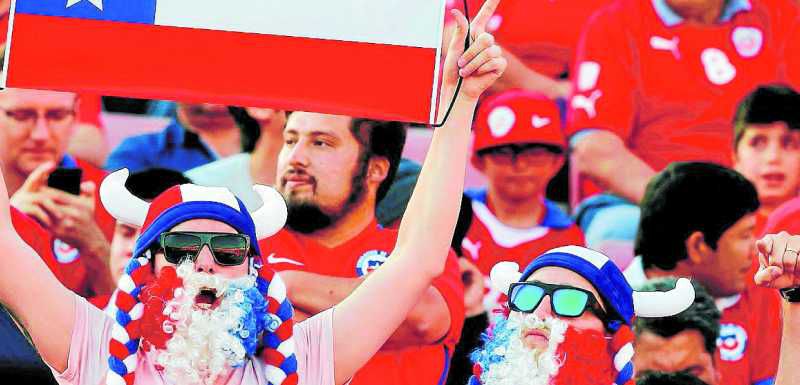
413, 23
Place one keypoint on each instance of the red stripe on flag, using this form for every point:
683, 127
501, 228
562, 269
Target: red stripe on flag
195, 65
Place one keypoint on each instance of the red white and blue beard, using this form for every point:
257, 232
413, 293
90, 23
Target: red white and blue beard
571, 357
201, 325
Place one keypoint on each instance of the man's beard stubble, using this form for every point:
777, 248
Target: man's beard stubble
307, 217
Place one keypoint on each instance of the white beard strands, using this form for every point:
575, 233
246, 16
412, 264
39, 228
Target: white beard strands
201, 346
522, 365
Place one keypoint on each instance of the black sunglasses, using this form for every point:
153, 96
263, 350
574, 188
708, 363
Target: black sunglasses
227, 249
566, 301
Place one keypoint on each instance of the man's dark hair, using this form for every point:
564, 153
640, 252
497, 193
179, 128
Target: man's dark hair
248, 126
702, 316
383, 139
767, 104
669, 378
687, 197
150, 183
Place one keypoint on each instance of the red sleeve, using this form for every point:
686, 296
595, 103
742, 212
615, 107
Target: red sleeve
37, 238
603, 82
767, 338
452, 289
89, 110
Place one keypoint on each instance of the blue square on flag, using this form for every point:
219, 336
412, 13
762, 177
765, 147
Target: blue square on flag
132, 11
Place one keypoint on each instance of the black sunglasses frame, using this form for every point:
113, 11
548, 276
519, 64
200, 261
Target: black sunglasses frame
592, 303
205, 240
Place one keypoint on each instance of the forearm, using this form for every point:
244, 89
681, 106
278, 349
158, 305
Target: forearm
790, 346
95, 255
519, 75
604, 157
315, 293
311, 294
43, 307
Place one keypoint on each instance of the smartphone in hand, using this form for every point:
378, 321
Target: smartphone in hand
66, 179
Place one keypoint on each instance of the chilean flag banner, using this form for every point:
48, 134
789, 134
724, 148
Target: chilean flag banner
366, 58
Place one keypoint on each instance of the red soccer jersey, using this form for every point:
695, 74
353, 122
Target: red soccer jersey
489, 241
543, 33
750, 338
73, 268
423, 365
669, 88
37, 238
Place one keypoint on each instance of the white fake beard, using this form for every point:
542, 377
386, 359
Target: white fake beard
202, 347
523, 365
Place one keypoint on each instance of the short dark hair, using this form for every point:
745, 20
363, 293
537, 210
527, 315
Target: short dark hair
384, 139
249, 128
150, 183
767, 104
686, 197
669, 378
702, 315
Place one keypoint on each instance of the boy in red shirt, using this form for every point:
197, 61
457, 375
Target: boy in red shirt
767, 146
698, 221
519, 147
656, 82
332, 171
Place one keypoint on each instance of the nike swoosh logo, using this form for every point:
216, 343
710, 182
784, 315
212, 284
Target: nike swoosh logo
272, 259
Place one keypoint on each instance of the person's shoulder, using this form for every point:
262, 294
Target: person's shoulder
90, 171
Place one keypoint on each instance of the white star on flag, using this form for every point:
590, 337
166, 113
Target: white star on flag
96, 3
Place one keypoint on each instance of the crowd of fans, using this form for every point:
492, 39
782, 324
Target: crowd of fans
678, 122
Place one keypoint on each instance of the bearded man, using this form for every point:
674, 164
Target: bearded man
568, 321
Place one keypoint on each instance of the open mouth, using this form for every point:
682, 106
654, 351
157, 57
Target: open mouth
206, 298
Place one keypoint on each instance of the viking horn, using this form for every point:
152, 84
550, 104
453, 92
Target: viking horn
664, 303
271, 216
503, 275
119, 202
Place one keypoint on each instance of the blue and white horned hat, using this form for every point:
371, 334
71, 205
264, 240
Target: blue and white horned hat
621, 301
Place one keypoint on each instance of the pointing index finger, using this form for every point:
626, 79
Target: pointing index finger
483, 16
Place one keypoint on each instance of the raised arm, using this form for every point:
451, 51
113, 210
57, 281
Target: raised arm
39, 302
364, 321
779, 260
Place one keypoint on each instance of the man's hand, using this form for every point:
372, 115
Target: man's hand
75, 222
778, 261
30, 200
482, 64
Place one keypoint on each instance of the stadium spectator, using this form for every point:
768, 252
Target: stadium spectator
201, 133
519, 147
539, 39
332, 170
657, 82
767, 146
698, 221
685, 342
36, 127
146, 185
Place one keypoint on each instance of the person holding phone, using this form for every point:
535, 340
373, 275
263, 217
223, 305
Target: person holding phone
35, 129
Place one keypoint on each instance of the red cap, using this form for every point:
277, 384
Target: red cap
518, 116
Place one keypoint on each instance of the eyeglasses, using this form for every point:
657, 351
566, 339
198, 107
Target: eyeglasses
566, 301
227, 249
534, 153
27, 117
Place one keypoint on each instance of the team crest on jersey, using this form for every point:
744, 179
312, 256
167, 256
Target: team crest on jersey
370, 261
748, 41
732, 342
64, 252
